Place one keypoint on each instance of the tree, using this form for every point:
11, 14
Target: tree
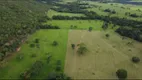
82, 48
107, 35
36, 40
135, 59
121, 73
55, 43
90, 29
1, 56
73, 46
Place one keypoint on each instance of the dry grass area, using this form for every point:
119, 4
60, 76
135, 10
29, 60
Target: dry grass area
104, 57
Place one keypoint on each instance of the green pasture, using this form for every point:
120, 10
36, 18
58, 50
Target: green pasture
12, 68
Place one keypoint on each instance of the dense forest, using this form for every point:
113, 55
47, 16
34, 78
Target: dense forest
18, 19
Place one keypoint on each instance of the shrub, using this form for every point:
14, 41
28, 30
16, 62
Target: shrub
36, 40
55, 43
90, 28
33, 55
58, 68
135, 59
32, 45
58, 62
73, 46
107, 35
121, 73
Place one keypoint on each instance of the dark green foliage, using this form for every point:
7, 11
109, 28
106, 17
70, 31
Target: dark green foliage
121, 73
32, 45
33, 71
90, 28
55, 43
58, 68
130, 32
1, 56
18, 19
36, 40
135, 59
33, 55
105, 26
49, 58
107, 35
57, 76
52, 76
82, 48
48, 27
73, 46
58, 62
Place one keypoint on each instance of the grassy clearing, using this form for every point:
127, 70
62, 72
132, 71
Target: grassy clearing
80, 24
104, 57
54, 13
12, 68
121, 9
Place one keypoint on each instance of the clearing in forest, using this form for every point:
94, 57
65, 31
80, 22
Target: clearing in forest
76, 24
104, 58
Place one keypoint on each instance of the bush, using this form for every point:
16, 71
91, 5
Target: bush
135, 59
58, 62
90, 28
107, 35
73, 46
33, 55
58, 68
36, 40
55, 43
121, 73
32, 45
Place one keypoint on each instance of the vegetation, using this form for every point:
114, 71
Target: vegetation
82, 48
135, 59
121, 73
73, 46
18, 19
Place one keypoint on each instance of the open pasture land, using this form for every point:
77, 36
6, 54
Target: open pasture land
11, 68
55, 13
120, 9
104, 57
77, 24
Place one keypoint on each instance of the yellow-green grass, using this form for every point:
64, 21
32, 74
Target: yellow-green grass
12, 68
104, 56
81, 24
55, 13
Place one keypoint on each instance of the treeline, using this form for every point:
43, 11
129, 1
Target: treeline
18, 19
90, 15
46, 26
133, 33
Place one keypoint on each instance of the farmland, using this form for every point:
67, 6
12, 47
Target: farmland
8, 71
104, 57
76, 40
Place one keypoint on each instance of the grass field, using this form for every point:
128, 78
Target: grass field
55, 13
118, 8
81, 24
12, 68
104, 57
